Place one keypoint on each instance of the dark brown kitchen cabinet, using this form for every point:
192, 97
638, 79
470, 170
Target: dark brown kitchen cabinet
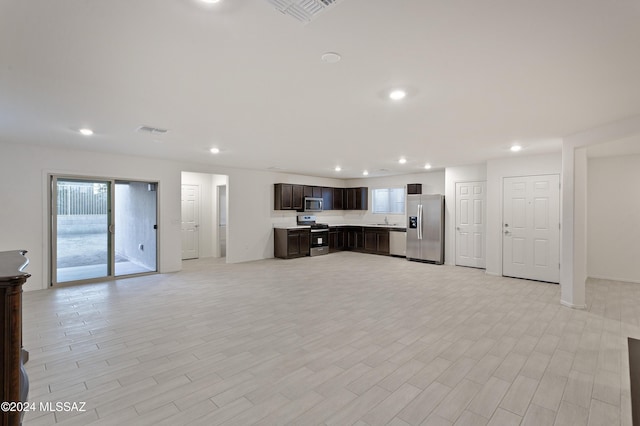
376, 240
354, 238
336, 239
313, 191
283, 196
291, 243
414, 188
327, 198
356, 198
298, 197
291, 197
288, 196
338, 198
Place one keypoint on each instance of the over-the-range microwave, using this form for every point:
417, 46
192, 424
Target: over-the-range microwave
312, 204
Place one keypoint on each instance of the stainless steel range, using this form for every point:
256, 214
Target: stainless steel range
319, 243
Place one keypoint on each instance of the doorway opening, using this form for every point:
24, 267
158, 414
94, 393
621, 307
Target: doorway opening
101, 228
204, 215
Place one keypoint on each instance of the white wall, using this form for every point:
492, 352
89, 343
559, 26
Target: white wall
453, 175
613, 210
24, 188
497, 170
432, 183
23, 183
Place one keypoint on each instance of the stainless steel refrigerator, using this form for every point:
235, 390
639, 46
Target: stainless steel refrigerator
425, 228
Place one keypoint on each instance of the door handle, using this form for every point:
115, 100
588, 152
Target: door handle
419, 221
507, 232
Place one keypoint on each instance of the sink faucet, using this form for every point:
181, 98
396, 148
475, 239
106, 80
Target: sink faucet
386, 221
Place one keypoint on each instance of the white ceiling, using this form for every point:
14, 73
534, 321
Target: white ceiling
245, 78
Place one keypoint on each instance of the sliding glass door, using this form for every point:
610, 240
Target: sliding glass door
101, 228
135, 230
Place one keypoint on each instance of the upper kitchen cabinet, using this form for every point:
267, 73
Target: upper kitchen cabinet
288, 196
356, 198
283, 196
291, 197
298, 197
338, 198
327, 198
313, 191
414, 188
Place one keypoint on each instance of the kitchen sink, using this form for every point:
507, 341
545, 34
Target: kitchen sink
382, 224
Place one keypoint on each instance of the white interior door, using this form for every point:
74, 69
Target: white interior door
531, 228
190, 221
470, 224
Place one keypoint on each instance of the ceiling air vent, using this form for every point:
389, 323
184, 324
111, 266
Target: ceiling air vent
303, 10
152, 130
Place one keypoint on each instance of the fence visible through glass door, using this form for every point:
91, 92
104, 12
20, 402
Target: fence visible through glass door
102, 228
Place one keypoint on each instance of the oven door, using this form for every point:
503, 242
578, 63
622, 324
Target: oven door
319, 242
319, 238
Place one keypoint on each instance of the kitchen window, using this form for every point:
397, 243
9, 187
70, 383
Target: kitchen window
388, 200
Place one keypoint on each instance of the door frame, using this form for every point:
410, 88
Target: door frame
52, 228
218, 215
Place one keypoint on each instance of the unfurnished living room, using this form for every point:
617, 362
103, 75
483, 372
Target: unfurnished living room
320, 212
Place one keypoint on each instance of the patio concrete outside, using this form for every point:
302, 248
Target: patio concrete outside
85, 256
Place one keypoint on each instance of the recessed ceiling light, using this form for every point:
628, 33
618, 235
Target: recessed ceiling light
331, 57
86, 132
402, 160
397, 94
338, 168
427, 166
516, 148
210, 1
365, 173
214, 150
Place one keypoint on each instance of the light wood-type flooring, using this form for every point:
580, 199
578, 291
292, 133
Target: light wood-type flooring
342, 339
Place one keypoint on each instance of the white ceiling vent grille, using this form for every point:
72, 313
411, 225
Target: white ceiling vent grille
152, 130
303, 10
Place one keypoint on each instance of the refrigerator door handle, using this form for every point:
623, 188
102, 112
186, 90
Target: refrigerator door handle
419, 221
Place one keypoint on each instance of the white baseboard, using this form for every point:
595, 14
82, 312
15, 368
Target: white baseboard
572, 306
614, 279
493, 274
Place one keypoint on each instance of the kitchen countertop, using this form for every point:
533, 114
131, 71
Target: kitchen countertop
363, 225
369, 225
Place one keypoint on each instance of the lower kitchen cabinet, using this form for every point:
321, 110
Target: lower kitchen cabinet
376, 240
291, 243
346, 238
336, 240
355, 239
